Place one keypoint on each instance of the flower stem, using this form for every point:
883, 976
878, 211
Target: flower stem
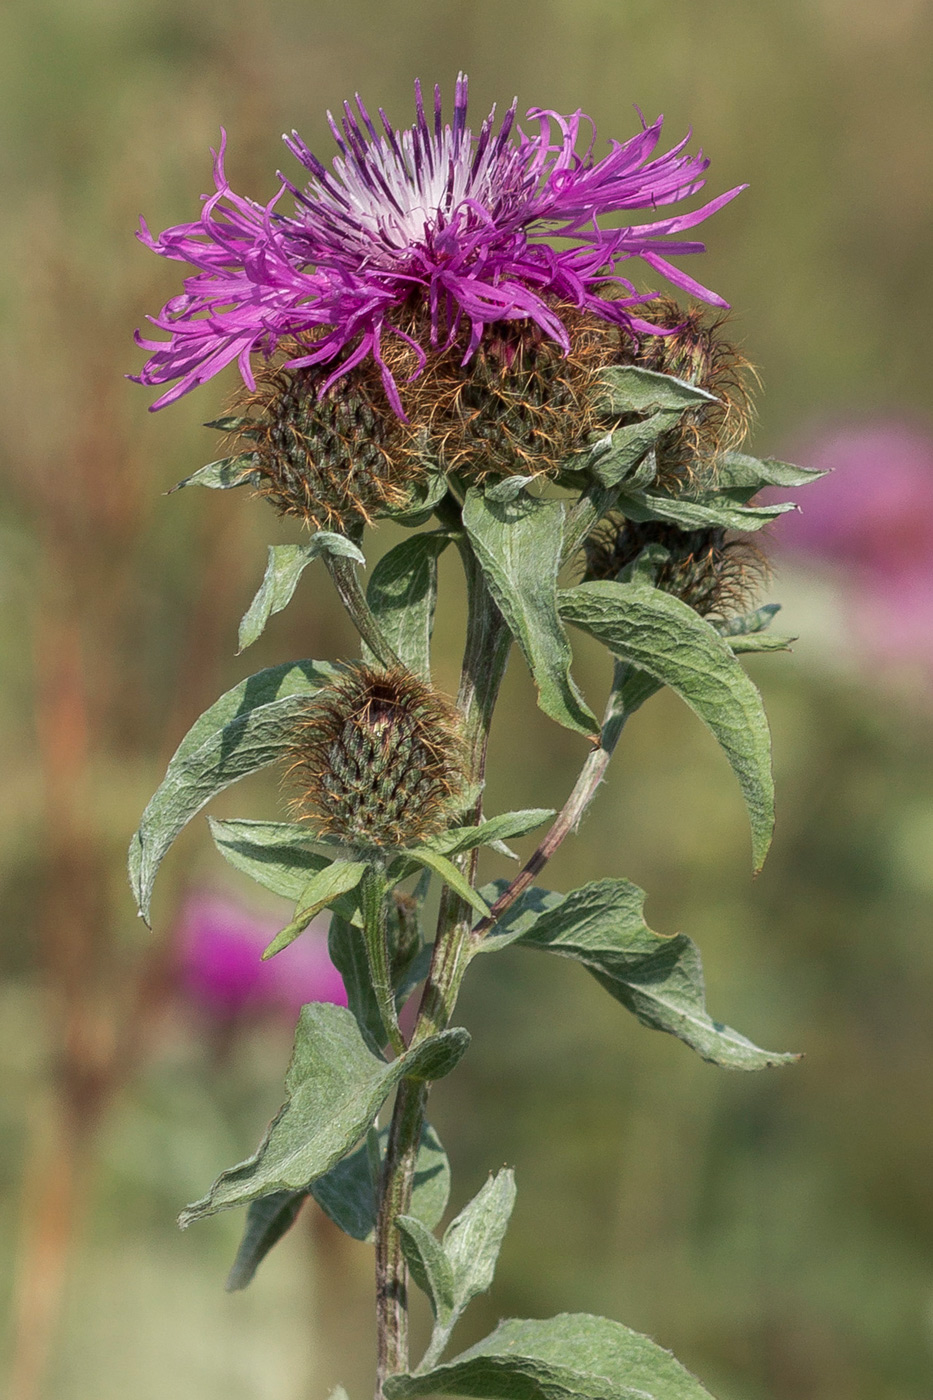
373, 901
343, 573
484, 662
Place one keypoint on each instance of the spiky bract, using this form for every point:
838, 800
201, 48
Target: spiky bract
377, 760
693, 348
330, 460
714, 575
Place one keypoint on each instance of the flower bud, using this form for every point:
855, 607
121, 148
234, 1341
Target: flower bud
715, 576
378, 759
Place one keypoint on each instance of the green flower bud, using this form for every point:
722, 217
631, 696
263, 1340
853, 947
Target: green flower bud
378, 759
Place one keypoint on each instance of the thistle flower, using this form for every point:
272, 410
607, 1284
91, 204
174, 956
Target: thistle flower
712, 574
431, 219
377, 759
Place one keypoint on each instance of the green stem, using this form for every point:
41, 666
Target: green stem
373, 901
343, 572
484, 662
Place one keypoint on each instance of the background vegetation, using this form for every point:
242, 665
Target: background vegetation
776, 1231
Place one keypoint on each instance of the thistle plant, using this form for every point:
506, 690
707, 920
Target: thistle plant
416, 351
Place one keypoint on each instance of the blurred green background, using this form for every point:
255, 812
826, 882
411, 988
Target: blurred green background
774, 1230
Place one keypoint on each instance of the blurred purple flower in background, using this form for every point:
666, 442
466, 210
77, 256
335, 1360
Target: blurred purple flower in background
871, 523
417, 231
220, 946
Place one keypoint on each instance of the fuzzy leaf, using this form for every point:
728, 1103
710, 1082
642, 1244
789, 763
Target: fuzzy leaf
658, 978
449, 873
623, 454
326, 886
423, 496
267, 1220
665, 638
244, 730
429, 1265
277, 855
223, 474
334, 1088
508, 489
747, 643
347, 949
348, 1192
698, 512
569, 1357
737, 471
402, 594
287, 562
491, 832
519, 550
632, 389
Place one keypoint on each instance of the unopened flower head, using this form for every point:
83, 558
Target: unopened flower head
712, 573
426, 236
377, 759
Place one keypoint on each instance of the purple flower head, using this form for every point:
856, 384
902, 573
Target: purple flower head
220, 947
460, 221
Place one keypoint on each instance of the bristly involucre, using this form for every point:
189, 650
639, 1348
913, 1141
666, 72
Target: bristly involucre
378, 759
459, 223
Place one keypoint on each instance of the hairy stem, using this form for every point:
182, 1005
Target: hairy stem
343, 572
485, 657
373, 891
571, 814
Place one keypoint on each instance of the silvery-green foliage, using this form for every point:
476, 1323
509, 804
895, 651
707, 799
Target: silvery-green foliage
287, 562
334, 1088
402, 593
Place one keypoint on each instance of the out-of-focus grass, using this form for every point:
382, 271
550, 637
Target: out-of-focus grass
775, 1230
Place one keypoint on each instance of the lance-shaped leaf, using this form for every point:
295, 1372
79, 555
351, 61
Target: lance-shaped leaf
662, 636
658, 978
569, 1357
321, 891
287, 562
455, 1271
267, 1220
632, 389
739, 472
223, 474
698, 512
491, 832
748, 632
624, 454
519, 546
245, 730
424, 855
334, 1088
349, 1192
402, 593
280, 856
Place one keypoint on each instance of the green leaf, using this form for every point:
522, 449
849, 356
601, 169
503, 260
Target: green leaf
756, 621
429, 1265
449, 873
744, 644
349, 1192
738, 471
662, 636
244, 730
277, 855
267, 1220
631, 389
223, 474
658, 978
508, 489
520, 917
322, 890
569, 1357
287, 562
347, 949
402, 594
334, 1088
488, 833
519, 549
423, 496
697, 512
623, 454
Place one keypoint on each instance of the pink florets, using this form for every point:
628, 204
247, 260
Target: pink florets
463, 221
